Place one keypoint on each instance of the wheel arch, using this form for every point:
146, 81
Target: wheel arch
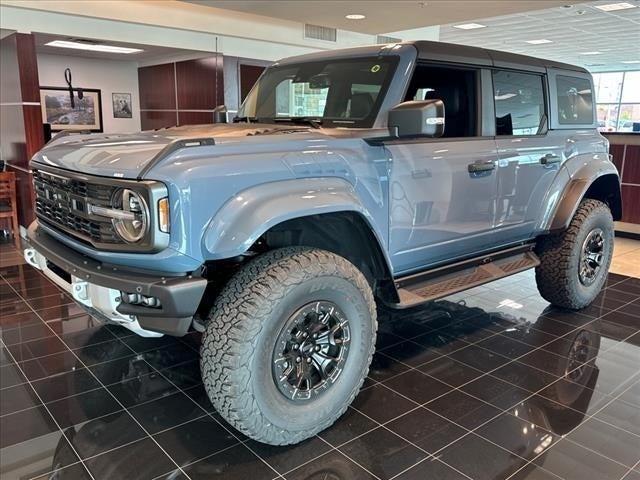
604, 187
324, 213
346, 233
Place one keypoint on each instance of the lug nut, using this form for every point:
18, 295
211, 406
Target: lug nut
298, 359
296, 346
317, 349
309, 360
305, 334
315, 335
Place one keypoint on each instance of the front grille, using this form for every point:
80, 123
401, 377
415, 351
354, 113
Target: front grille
62, 202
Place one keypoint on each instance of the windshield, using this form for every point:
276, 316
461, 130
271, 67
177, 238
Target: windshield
344, 93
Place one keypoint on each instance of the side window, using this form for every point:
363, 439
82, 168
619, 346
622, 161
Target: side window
519, 100
575, 100
457, 88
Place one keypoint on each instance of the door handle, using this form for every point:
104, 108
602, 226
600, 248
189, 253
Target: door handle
550, 158
478, 167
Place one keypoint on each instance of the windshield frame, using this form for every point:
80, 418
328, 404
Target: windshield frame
327, 122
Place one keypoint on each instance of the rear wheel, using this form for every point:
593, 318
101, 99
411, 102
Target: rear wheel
574, 264
288, 344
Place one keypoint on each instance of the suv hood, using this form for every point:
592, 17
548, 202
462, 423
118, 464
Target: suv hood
127, 155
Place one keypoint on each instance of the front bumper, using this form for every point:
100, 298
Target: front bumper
96, 286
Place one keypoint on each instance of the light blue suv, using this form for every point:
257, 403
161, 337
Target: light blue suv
397, 173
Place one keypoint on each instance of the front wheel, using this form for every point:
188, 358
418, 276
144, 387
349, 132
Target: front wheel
574, 264
288, 344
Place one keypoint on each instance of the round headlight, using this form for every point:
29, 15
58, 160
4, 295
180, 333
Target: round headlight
133, 223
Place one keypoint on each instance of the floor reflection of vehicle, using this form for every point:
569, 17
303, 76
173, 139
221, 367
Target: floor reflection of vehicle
541, 419
536, 424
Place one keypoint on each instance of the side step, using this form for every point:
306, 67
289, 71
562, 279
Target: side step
449, 279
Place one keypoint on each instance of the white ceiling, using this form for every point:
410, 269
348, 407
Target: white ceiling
581, 28
382, 16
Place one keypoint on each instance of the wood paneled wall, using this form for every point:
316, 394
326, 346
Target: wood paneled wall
180, 93
249, 74
626, 156
21, 126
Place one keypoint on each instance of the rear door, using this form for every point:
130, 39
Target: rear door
529, 156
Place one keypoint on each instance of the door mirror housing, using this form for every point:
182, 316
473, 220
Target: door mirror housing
417, 118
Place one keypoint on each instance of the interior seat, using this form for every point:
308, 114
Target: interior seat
361, 105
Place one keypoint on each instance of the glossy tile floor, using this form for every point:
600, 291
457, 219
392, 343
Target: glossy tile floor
489, 384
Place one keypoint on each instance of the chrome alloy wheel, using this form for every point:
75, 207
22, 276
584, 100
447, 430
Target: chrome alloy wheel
591, 256
311, 350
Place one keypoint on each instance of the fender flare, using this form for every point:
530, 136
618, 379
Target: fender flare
247, 216
581, 180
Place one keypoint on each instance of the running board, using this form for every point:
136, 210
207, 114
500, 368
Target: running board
449, 279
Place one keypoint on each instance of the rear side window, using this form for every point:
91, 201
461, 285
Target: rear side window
519, 100
575, 100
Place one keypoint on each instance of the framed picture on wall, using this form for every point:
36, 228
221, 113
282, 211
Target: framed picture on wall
85, 115
121, 105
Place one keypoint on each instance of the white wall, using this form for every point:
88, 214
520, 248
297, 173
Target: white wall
109, 76
170, 23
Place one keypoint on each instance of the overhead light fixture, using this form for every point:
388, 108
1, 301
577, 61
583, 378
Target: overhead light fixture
590, 53
539, 42
469, 26
355, 16
94, 47
631, 61
612, 7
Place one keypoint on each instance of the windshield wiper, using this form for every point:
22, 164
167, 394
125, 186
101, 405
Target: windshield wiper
315, 122
245, 119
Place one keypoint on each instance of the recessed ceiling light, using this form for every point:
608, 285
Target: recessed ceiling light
469, 26
590, 53
631, 61
355, 16
92, 47
539, 42
612, 7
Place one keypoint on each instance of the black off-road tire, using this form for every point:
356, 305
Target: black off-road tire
241, 332
557, 276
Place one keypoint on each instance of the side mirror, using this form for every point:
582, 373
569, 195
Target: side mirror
417, 118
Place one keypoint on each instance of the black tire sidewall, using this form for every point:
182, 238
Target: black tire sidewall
598, 219
307, 414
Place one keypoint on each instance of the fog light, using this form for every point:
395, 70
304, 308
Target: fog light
138, 299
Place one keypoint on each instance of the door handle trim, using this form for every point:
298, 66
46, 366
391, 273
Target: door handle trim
478, 167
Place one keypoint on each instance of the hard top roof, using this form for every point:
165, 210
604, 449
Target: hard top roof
443, 52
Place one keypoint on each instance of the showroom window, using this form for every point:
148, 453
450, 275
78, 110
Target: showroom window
618, 101
519, 99
300, 100
575, 100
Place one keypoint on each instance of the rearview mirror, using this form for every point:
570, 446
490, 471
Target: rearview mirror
417, 118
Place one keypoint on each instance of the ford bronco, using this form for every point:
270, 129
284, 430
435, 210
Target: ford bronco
396, 174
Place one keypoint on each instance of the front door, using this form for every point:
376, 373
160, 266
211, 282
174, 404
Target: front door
439, 210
